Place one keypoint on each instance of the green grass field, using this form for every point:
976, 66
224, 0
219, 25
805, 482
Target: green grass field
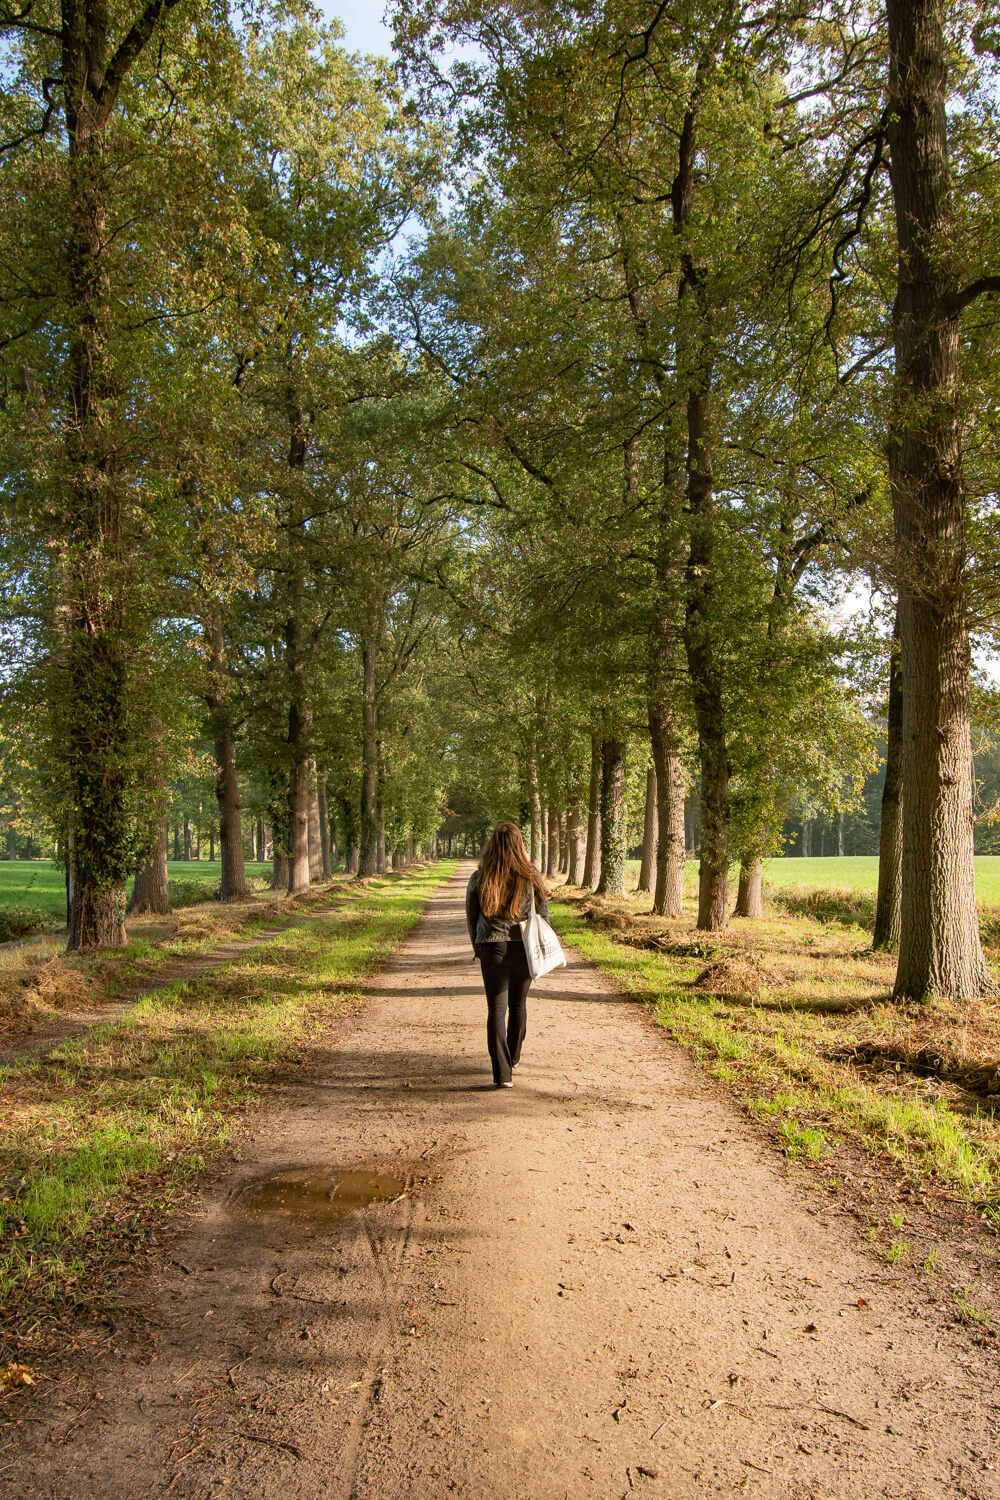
40, 883
859, 872
854, 872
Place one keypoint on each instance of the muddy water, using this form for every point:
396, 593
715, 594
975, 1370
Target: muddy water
319, 1194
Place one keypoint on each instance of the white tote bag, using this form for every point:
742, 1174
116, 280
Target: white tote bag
541, 946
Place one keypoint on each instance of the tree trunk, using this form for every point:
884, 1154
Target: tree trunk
315, 827
890, 850
326, 855
706, 687
278, 804
349, 824
552, 852
380, 859
151, 892
261, 841
750, 896
806, 850
563, 843
613, 851
647, 869
536, 813
234, 883
369, 763
939, 944
95, 633
299, 759
187, 839
668, 899
197, 835
177, 840
573, 822
592, 858
211, 845
11, 844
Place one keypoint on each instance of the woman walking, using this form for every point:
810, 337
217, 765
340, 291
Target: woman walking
497, 901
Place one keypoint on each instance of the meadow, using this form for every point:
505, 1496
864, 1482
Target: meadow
852, 872
40, 884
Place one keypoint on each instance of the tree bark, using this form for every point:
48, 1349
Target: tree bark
592, 857
187, 839
647, 868
94, 713
668, 899
890, 850
151, 891
613, 851
940, 952
750, 895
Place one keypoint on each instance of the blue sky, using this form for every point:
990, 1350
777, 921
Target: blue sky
362, 23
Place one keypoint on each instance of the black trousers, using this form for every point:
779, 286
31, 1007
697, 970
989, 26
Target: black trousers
506, 980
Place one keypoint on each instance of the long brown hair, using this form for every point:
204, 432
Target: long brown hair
506, 874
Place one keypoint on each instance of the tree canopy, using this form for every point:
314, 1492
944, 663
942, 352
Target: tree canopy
389, 447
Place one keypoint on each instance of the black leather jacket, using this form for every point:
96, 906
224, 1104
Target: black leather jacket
498, 929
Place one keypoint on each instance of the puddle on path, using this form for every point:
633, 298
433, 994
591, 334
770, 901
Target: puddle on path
305, 1193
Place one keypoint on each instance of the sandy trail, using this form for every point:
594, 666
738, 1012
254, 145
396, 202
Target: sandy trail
602, 1283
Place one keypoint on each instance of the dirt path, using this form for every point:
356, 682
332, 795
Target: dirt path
601, 1283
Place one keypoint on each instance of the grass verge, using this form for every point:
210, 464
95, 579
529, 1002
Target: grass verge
102, 1133
39, 978
795, 1014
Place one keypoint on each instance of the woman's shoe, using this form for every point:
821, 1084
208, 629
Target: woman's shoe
508, 1085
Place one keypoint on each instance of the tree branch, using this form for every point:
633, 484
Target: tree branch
956, 302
